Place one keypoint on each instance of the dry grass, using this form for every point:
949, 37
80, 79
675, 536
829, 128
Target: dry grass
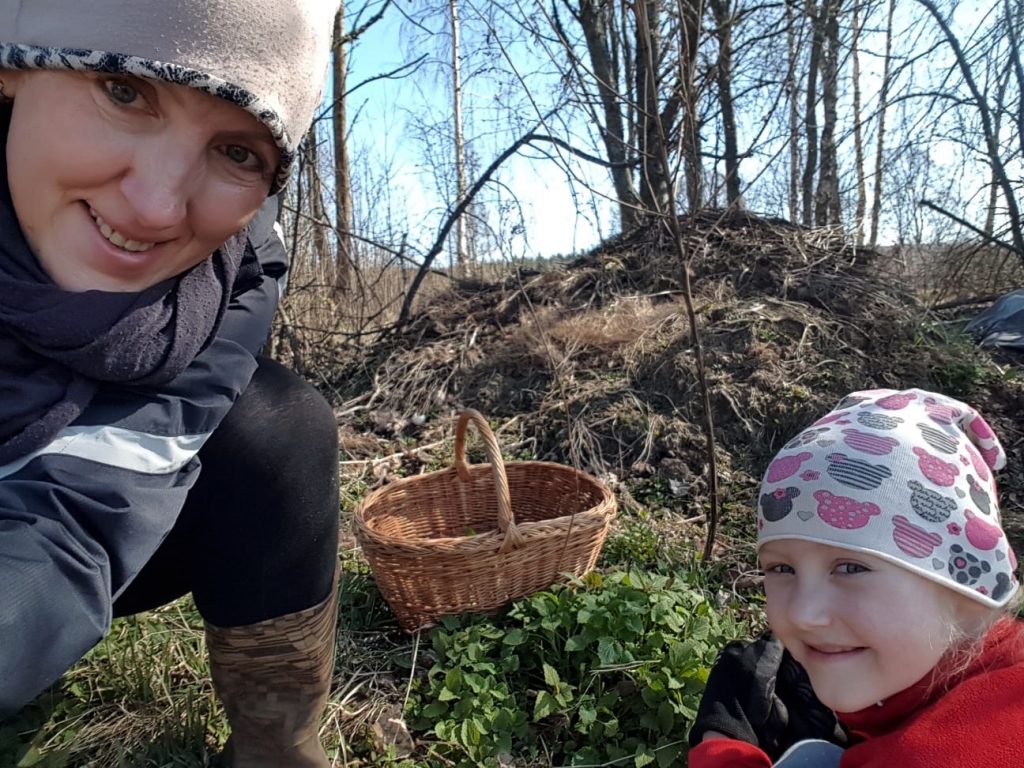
143, 697
957, 273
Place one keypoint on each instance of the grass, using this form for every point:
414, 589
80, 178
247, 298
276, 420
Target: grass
143, 698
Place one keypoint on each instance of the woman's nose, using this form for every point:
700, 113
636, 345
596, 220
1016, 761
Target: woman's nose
159, 185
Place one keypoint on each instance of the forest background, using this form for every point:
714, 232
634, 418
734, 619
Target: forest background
648, 238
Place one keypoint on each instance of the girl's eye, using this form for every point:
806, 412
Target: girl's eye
121, 92
851, 568
779, 568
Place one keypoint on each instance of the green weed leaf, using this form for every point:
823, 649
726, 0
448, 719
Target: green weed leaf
544, 706
515, 637
668, 753
643, 756
551, 676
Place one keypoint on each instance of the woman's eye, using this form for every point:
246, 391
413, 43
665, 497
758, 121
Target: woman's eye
121, 92
850, 568
243, 157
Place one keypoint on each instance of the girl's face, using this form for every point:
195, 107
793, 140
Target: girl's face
120, 183
863, 628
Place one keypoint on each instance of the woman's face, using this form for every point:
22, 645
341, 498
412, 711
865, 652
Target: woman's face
120, 183
863, 628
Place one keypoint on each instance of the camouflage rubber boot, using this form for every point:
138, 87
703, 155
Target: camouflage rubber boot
273, 679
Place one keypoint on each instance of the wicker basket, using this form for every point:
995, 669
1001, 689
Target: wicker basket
447, 543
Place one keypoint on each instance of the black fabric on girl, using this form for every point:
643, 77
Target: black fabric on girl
758, 693
258, 535
56, 346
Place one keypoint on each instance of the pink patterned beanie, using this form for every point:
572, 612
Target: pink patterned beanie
904, 476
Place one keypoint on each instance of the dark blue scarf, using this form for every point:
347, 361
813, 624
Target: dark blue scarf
57, 347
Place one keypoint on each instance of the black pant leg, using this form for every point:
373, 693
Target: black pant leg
258, 536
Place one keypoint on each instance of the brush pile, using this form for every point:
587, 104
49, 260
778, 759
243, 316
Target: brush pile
591, 363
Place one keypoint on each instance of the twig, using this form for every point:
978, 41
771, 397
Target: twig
412, 671
967, 225
674, 225
393, 456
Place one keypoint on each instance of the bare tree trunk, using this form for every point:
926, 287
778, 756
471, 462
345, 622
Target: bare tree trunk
342, 173
793, 57
883, 104
722, 11
858, 128
598, 32
655, 191
691, 12
997, 121
629, 77
321, 250
827, 204
810, 117
1013, 28
461, 266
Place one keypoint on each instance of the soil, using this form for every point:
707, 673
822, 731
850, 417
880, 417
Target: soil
593, 364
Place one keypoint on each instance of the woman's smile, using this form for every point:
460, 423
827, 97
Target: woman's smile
118, 239
102, 253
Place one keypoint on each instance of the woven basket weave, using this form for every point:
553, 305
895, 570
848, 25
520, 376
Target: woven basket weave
471, 538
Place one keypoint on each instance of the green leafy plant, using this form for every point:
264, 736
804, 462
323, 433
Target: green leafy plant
607, 669
635, 543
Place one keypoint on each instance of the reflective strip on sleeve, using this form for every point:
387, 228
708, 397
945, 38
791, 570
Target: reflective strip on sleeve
122, 448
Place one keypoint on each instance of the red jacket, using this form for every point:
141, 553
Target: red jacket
978, 723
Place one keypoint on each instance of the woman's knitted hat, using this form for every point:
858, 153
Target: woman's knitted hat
269, 57
904, 476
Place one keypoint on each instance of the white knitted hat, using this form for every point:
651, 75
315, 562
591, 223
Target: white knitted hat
904, 476
269, 57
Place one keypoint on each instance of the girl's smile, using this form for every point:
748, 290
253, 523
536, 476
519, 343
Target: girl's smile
832, 653
862, 627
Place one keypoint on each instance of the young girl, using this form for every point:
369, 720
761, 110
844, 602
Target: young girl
889, 579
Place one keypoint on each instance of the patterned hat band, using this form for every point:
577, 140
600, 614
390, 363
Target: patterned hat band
907, 476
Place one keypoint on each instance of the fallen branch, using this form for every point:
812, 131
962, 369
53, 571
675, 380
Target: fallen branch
442, 236
966, 302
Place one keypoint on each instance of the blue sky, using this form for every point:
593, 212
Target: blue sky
391, 152
552, 221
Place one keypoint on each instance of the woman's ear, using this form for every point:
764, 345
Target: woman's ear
9, 80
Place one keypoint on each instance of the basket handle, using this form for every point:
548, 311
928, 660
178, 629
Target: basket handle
506, 522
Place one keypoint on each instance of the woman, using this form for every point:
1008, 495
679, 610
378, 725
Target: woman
145, 451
